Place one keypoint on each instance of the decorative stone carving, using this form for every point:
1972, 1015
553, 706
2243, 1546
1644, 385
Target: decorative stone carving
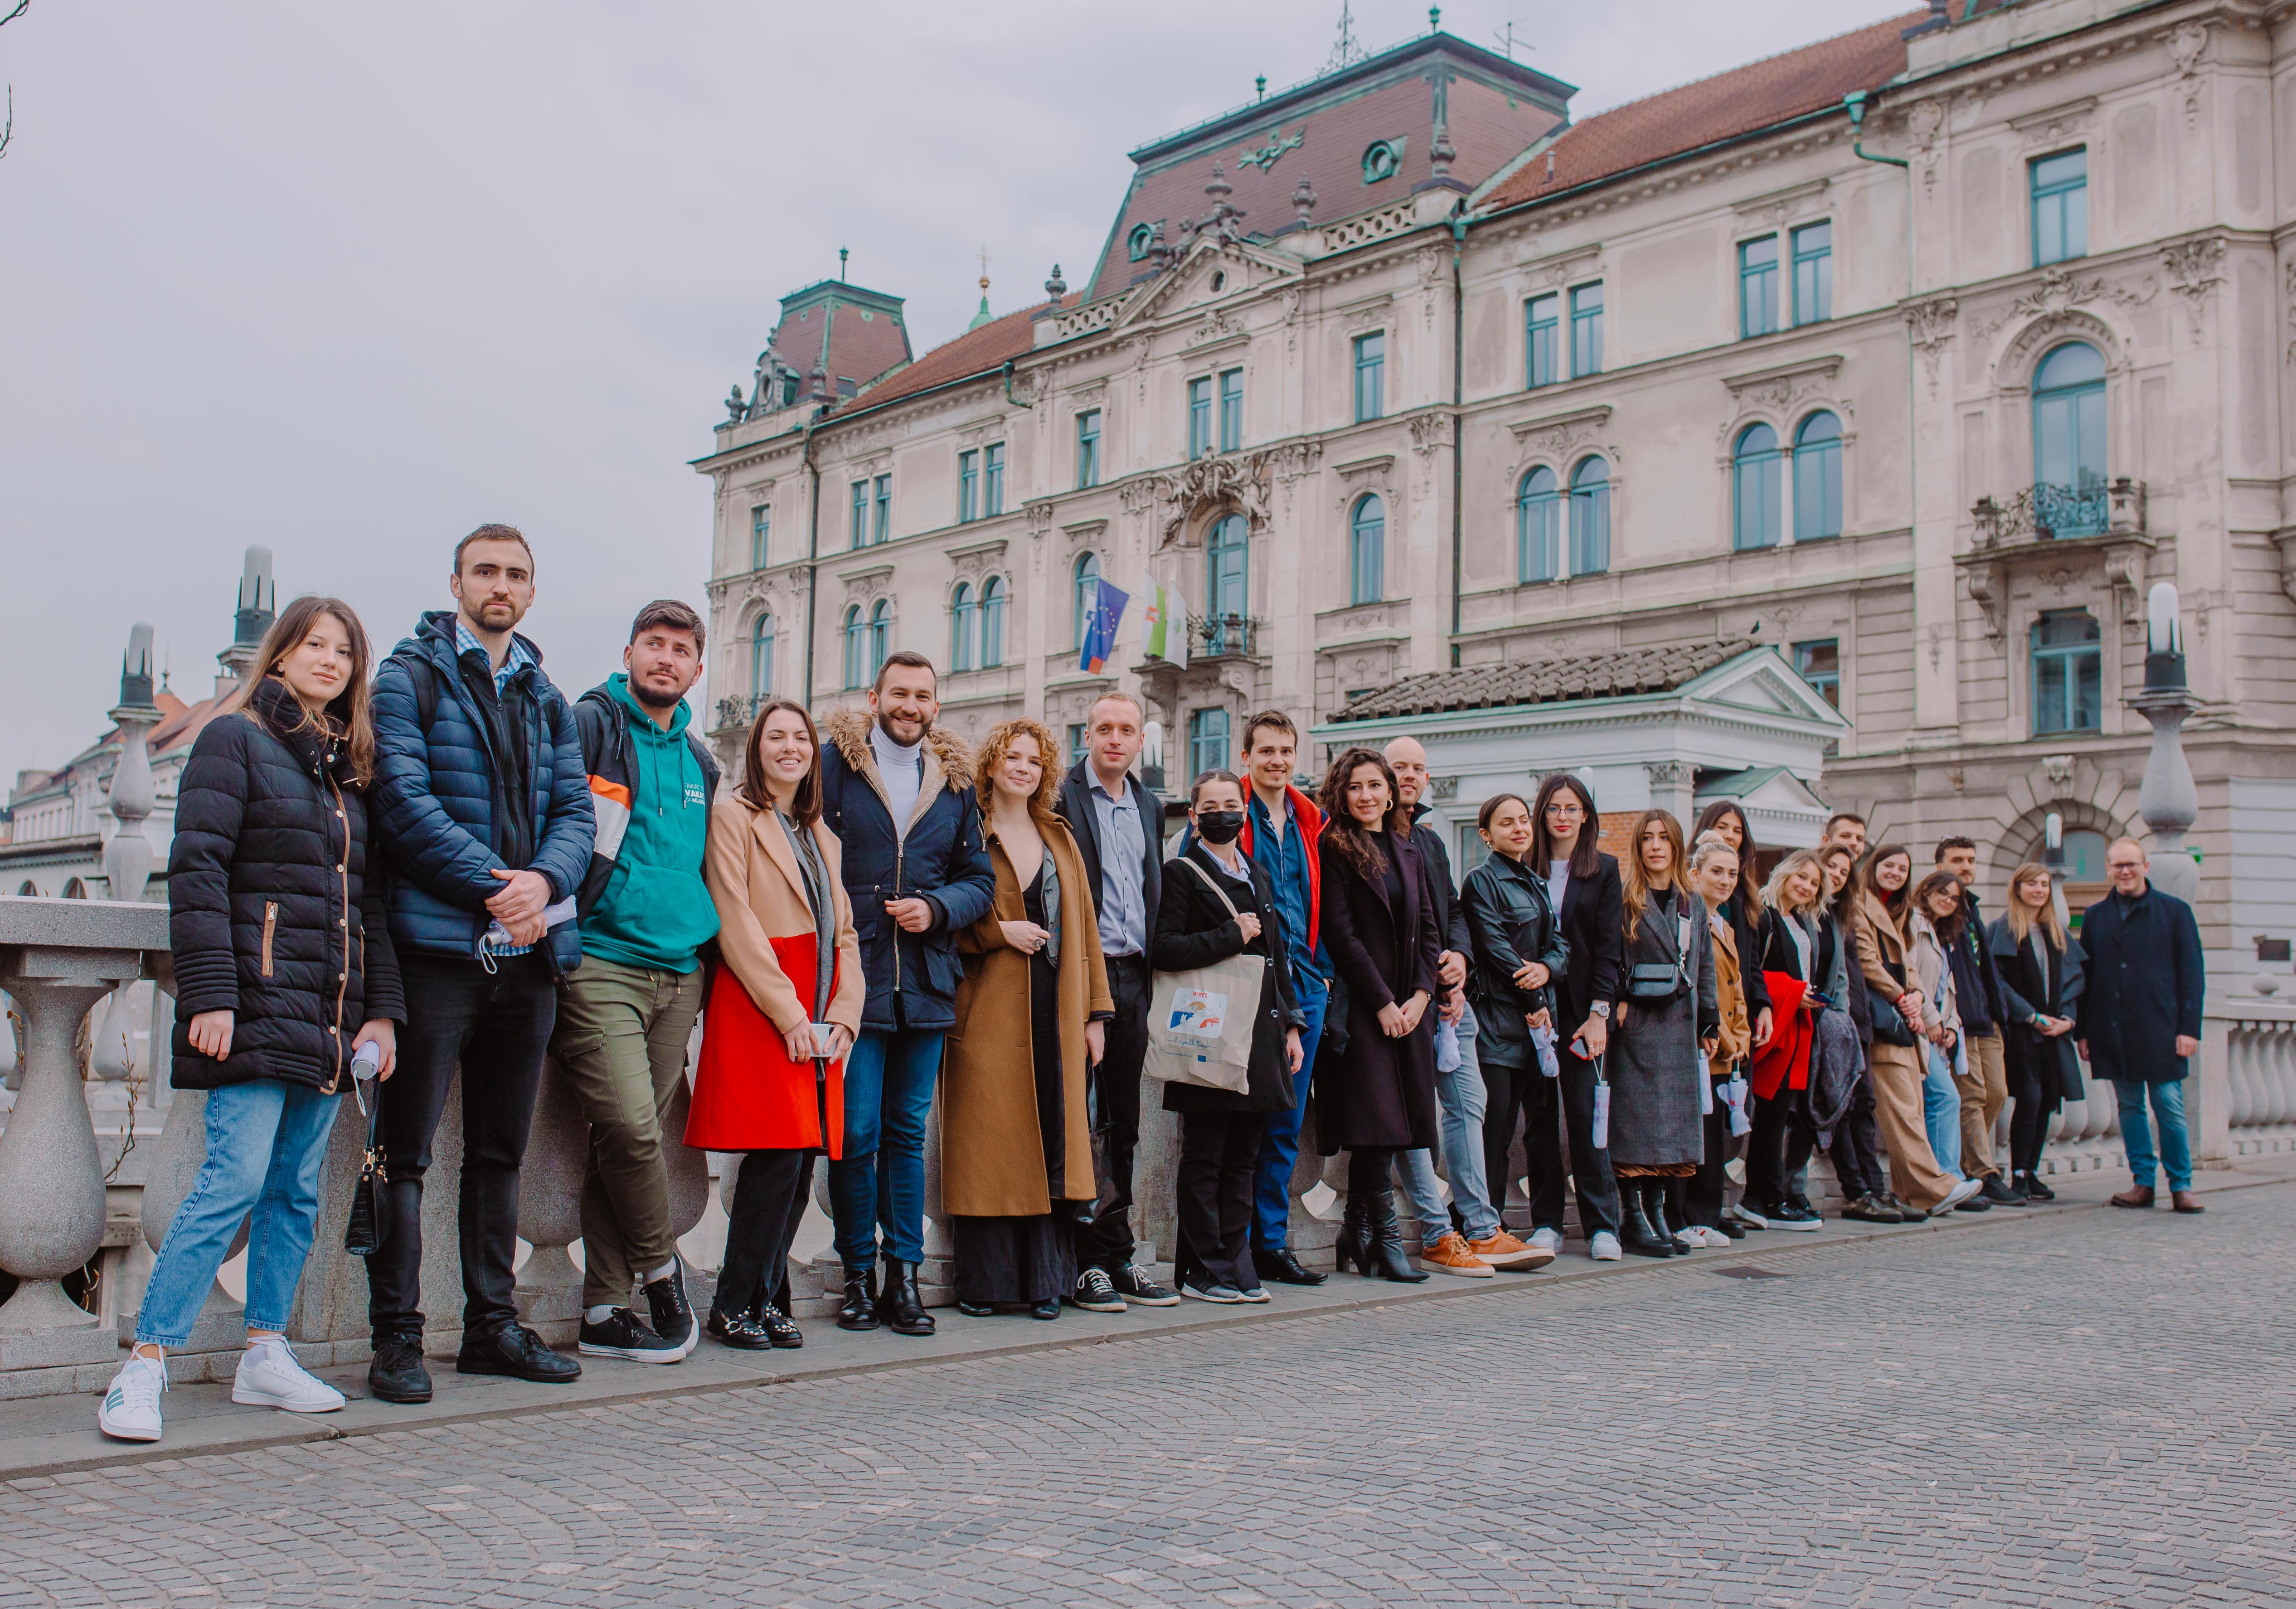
2186, 42
1367, 316
1929, 325
1430, 432
2194, 268
1558, 435
1241, 484
2056, 124
1780, 389
1219, 326
2059, 769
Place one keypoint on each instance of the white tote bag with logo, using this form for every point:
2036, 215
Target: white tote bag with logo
1199, 1022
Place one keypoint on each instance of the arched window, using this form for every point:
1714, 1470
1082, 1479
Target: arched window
1367, 551
964, 627
880, 636
761, 658
31, 890
1085, 596
2068, 673
992, 622
1538, 526
1757, 489
2069, 441
857, 648
1817, 478
75, 890
1590, 517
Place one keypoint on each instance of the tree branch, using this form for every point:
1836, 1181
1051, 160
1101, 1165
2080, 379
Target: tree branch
21, 7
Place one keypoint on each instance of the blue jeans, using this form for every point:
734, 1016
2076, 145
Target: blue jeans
2136, 1134
1279, 1141
1941, 1111
880, 1180
265, 1142
1464, 1098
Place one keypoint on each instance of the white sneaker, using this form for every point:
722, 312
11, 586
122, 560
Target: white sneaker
1605, 1247
1549, 1240
269, 1376
1959, 1194
131, 1406
1713, 1237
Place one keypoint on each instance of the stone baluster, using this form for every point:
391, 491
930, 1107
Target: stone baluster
550, 1209
58, 957
128, 856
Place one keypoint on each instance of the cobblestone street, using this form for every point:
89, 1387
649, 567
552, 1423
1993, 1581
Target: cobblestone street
2087, 1407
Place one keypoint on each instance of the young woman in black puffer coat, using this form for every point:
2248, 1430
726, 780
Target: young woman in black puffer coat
283, 971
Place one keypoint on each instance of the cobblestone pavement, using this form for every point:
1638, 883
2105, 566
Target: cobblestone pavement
2091, 1409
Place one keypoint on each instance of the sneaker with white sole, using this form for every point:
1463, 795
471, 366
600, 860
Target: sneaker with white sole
1549, 1240
130, 1411
1210, 1292
270, 1375
1605, 1247
1959, 1194
1712, 1237
1739, 1213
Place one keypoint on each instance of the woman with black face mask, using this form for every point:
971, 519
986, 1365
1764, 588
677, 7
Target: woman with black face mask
1220, 1130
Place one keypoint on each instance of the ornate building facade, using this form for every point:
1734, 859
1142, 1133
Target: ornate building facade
1916, 356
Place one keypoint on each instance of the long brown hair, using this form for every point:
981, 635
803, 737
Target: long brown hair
350, 713
1893, 904
1838, 905
804, 805
1750, 887
1341, 827
1042, 803
1948, 928
1586, 854
2023, 916
1636, 878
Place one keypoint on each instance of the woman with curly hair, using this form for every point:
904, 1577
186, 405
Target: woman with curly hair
1016, 1156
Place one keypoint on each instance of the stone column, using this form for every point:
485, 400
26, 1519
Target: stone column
1670, 782
128, 856
550, 1209
58, 957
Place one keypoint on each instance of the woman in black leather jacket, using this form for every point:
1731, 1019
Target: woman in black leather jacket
1518, 951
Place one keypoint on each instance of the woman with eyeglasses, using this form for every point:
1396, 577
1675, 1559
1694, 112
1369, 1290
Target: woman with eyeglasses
1582, 890
2042, 979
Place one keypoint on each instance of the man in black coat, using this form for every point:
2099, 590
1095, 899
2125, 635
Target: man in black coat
2138, 1023
1118, 828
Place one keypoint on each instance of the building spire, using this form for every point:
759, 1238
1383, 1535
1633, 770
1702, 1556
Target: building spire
984, 316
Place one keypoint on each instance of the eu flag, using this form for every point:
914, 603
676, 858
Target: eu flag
1100, 627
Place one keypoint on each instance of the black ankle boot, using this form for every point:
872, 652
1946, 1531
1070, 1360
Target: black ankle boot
1383, 1233
858, 1310
1353, 1245
1660, 1224
1636, 1232
905, 1310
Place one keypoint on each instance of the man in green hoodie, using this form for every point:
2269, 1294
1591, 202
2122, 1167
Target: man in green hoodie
625, 1016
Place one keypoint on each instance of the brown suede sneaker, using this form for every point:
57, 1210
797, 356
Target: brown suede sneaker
1450, 1255
1504, 1251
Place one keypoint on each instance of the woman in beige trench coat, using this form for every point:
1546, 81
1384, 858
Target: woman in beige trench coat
1016, 1146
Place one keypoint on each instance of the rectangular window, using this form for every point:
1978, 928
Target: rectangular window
968, 487
1542, 340
1757, 287
1075, 741
1586, 330
2068, 673
1813, 274
1820, 665
2060, 207
1370, 375
1231, 410
992, 479
860, 513
884, 507
1200, 417
1472, 851
1208, 744
1087, 448
761, 527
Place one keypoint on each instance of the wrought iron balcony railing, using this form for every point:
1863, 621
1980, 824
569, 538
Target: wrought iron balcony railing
2048, 512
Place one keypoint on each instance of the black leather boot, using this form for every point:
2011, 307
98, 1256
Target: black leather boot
1352, 1246
905, 1310
1655, 1211
1384, 1232
858, 1310
1636, 1233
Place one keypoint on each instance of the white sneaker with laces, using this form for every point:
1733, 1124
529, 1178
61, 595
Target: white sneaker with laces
1549, 1240
1961, 1193
1605, 1247
131, 1406
270, 1376
1713, 1237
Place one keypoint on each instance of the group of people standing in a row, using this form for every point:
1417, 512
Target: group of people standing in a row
385, 874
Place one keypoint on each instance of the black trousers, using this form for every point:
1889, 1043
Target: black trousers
1106, 1242
1779, 1147
1218, 1153
1857, 1148
769, 1195
493, 1026
1371, 1170
2029, 1114
1548, 1107
1703, 1193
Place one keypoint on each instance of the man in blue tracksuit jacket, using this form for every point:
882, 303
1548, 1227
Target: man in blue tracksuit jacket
482, 802
899, 796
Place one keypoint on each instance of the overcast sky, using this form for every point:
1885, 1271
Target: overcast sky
348, 281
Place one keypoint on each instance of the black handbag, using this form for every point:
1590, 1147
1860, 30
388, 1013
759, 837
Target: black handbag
364, 1234
1889, 1024
1653, 982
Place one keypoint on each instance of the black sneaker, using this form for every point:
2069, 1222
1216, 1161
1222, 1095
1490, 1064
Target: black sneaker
2035, 1190
397, 1373
672, 1313
1095, 1292
1139, 1288
1787, 1215
516, 1350
624, 1335
747, 1333
2001, 1194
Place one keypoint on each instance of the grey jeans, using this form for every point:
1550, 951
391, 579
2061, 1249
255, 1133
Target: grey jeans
1463, 1097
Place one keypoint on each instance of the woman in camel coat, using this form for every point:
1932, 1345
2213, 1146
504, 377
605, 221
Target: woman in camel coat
766, 1085
1918, 1186
1016, 1146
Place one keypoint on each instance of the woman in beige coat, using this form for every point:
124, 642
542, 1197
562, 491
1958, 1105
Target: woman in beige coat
1918, 1186
1016, 1148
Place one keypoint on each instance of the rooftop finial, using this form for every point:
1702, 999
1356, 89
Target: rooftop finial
1303, 198
842, 252
1057, 287
983, 315
1345, 51
1434, 19
1261, 81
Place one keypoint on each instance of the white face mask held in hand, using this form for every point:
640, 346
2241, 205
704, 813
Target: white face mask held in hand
1446, 1046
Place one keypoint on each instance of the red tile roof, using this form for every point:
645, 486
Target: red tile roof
1740, 102
975, 352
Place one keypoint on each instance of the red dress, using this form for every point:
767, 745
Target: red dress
748, 1094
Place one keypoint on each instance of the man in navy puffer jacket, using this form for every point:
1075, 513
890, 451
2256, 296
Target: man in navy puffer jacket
483, 802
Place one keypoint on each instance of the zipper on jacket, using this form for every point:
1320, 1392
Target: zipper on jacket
270, 931
343, 978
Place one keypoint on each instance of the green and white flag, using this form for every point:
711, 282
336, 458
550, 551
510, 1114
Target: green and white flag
1167, 626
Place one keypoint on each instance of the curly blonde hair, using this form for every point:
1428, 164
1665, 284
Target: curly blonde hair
992, 754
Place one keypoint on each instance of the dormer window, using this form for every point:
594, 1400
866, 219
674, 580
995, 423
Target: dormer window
1136, 244
1382, 160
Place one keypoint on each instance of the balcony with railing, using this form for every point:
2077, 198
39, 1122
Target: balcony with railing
2043, 513
1215, 637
